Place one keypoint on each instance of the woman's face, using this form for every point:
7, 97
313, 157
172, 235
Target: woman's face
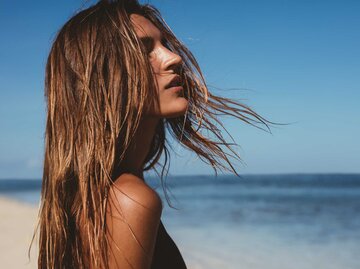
164, 64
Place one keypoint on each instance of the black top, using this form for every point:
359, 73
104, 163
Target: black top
166, 253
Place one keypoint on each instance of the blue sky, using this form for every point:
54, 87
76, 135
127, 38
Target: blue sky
294, 61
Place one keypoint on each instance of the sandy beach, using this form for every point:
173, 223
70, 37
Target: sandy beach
17, 223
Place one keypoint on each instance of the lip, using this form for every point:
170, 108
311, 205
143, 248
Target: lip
175, 88
176, 79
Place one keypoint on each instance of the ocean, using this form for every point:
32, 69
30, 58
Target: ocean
258, 221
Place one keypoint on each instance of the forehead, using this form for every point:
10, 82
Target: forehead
144, 27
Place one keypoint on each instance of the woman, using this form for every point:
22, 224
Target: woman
116, 79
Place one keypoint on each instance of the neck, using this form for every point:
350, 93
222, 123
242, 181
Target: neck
134, 159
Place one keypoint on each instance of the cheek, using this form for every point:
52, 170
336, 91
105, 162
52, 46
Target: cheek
160, 77
157, 78
155, 64
160, 81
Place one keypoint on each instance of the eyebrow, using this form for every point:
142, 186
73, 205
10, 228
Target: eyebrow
145, 39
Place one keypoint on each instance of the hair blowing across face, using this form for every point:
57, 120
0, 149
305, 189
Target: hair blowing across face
98, 86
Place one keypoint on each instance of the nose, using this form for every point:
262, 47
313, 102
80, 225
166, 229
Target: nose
173, 62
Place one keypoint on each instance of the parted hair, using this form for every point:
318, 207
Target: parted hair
98, 86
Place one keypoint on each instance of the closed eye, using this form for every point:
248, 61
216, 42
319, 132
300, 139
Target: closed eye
148, 43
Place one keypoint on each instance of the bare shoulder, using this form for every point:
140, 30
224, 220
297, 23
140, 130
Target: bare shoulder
133, 217
133, 192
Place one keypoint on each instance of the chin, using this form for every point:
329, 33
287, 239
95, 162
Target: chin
174, 109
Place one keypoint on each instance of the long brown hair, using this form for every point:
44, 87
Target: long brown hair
98, 85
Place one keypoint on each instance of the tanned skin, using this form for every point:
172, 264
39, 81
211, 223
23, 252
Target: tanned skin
138, 239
